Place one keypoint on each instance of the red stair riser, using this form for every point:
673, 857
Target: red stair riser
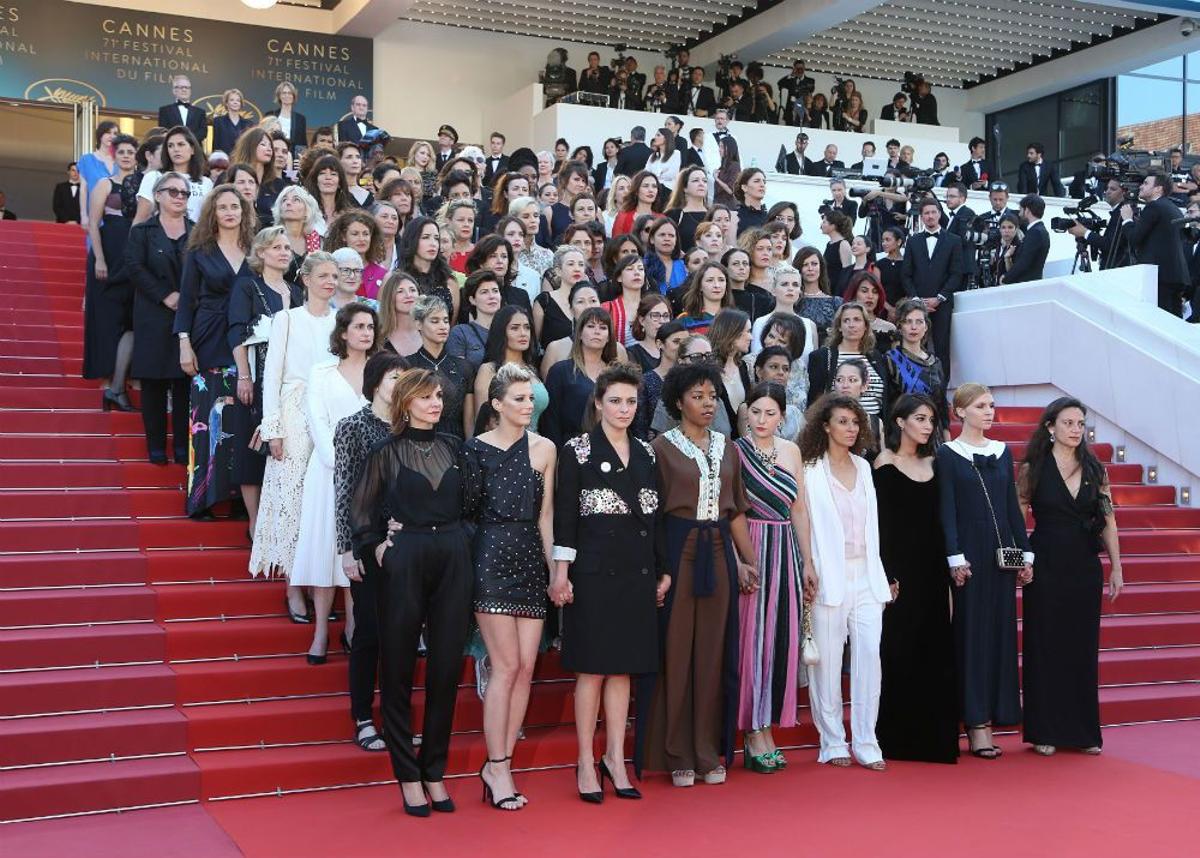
63, 738
86, 689
97, 786
72, 570
24, 649
52, 423
69, 607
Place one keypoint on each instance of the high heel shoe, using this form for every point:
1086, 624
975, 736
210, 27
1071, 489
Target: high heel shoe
626, 792
510, 802
345, 643
119, 401
299, 619
590, 797
446, 805
317, 659
418, 810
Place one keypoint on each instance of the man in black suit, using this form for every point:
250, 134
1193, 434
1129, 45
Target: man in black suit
622, 95
693, 155
720, 125
897, 111
637, 80
959, 217
355, 126
826, 165
1030, 257
977, 172
797, 163
633, 157
182, 111
66, 197
932, 271
1110, 244
868, 151
791, 90
740, 103
698, 98
1191, 253
595, 78
447, 143
1035, 176
496, 163
1082, 183
1155, 240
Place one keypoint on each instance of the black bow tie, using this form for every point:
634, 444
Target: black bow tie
933, 234
182, 104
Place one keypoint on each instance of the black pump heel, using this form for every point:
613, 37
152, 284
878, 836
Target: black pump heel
590, 797
489, 796
419, 810
446, 805
630, 792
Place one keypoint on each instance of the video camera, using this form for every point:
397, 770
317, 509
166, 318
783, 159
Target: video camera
618, 62
724, 62
1129, 167
1081, 214
911, 81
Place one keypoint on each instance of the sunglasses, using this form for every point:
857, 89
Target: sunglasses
174, 193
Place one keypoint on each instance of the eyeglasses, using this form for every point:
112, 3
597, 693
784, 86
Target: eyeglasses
350, 272
174, 193
659, 317
699, 357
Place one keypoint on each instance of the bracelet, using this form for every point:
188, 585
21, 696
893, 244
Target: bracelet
244, 378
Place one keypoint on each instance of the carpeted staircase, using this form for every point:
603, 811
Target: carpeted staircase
139, 665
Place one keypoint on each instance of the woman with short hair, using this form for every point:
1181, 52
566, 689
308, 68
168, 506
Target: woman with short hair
297, 212
229, 125
851, 339
432, 319
291, 122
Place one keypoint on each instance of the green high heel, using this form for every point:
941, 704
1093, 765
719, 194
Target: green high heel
779, 759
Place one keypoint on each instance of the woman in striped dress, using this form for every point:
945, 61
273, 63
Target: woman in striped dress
771, 613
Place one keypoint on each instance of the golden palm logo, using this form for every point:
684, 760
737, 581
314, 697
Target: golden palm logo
214, 106
63, 90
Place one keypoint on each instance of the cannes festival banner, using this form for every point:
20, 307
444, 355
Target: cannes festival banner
55, 51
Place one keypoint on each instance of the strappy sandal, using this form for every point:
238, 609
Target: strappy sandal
840, 762
509, 802
365, 740
991, 752
778, 757
1045, 750
683, 777
877, 766
716, 776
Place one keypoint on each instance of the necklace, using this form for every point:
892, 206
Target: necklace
436, 364
424, 449
767, 457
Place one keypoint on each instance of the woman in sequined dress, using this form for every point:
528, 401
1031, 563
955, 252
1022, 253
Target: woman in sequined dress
508, 476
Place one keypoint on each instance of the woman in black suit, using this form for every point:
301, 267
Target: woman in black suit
292, 124
230, 125
607, 533
217, 252
154, 262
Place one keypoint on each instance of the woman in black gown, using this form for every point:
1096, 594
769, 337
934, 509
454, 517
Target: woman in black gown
1068, 490
508, 474
918, 710
608, 534
976, 521
426, 581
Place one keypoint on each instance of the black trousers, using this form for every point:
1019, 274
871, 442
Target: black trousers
1170, 297
154, 415
364, 646
426, 581
940, 322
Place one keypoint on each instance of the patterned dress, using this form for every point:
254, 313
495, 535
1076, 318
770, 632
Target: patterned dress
770, 617
503, 494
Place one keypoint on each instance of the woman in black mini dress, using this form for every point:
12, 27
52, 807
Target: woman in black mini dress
508, 478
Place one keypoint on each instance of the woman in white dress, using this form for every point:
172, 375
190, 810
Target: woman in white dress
299, 339
334, 392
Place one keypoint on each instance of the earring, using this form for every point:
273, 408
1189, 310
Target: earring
1051, 437
405, 418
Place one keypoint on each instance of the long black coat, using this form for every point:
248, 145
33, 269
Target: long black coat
1156, 242
155, 265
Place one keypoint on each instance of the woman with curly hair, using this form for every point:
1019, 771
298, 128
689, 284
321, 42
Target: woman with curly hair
357, 229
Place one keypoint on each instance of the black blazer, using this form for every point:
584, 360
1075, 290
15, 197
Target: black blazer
1156, 242
925, 277
970, 174
225, 134
691, 158
600, 174
888, 112
66, 204
299, 135
706, 100
1049, 186
490, 175
632, 158
154, 264
960, 224
347, 129
820, 168
1111, 245
792, 165
205, 288
633, 100
197, 120
1030, 257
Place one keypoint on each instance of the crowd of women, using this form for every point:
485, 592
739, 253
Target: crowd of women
631, 426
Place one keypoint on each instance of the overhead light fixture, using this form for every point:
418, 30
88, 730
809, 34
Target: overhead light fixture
259, 4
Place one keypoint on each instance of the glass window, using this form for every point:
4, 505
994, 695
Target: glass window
1151, 110
1193, 66
1167, 68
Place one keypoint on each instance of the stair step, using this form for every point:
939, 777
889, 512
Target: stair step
50, 423
48, 397
90, 503
248, 597
57, 366
1162, 702
92, 736
91, 787
55, 380
73, 447
90, 475
19, 347
1135, 631
1131, 495
1174, 541
97, 535
86, 689
1151, 518
1167, 664
66, 607
72, 569
1149, 569
25, 649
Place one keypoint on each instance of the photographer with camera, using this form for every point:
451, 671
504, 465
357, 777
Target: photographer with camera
933, 271
841, 91
660, 97
622, 94
766, 110
924, 104
1087, 182
881, 208
739, 102
595, 78
1029, 260
729, 72
959, 220
1154, 239
852, 116
1107, 242
897, 111
977, 172
792, 88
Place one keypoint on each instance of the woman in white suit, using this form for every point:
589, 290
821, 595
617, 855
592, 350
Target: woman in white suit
851, 586
334, 392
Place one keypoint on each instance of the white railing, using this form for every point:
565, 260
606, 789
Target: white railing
1101, 338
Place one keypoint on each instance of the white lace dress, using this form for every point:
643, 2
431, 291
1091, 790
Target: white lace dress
299, 340
329, 398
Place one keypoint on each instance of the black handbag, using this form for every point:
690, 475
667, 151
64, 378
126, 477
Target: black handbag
1010, 559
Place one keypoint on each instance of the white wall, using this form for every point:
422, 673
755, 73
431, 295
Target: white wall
427, 74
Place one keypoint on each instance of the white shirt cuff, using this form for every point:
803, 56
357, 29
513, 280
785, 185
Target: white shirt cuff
1029, 558
957, 560
562, 552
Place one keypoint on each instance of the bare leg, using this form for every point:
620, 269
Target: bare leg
295, 597
322, 601
504, 653
250, 496
616, 712
529, 636
588, 687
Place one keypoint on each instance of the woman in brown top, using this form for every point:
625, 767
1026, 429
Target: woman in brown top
692, 702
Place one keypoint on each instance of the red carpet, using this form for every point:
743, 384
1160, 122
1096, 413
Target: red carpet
139, 665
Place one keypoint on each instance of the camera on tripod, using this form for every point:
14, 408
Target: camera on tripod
985, 231
1081, 214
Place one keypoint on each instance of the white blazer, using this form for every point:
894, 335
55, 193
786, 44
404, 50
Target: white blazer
828, 538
